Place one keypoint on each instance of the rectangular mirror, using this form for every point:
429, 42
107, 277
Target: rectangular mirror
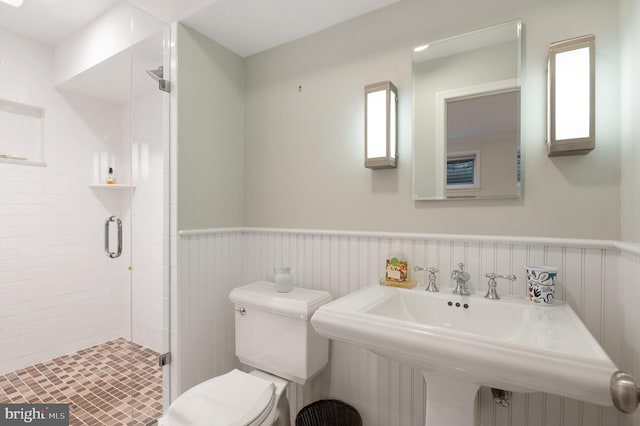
466, 115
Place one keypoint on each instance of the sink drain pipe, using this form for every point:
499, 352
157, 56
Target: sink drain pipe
625, 393
501, 397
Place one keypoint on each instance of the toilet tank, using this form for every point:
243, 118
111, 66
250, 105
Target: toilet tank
274, 333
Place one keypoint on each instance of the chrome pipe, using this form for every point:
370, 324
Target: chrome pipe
501, 398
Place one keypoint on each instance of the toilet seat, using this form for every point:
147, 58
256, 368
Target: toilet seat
232, 399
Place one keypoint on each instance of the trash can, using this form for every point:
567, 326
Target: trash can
328, 412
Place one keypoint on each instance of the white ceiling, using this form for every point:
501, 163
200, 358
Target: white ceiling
251, 26
243, 26
51, 21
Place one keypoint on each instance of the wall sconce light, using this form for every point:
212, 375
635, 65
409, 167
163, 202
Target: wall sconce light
571, 96
380, 125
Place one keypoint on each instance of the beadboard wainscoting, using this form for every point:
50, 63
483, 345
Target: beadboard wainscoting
598, 279
210, 266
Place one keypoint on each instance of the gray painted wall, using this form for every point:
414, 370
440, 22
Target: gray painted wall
630, 59
210, 84
304, 127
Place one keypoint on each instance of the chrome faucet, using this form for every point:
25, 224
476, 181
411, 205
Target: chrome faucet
432, 279
491, 291
461, 277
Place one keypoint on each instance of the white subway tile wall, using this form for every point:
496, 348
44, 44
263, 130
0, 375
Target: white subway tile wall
598, 282
58, 291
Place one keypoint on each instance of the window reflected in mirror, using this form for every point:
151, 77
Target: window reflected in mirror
483, 133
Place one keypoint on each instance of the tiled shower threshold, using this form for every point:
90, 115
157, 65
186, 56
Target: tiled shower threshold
110, 384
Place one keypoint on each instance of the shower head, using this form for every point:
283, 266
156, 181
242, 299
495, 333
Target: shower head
156, 74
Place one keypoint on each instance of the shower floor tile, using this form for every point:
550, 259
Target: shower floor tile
111, 384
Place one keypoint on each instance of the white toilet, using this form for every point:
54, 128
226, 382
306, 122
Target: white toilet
274, 336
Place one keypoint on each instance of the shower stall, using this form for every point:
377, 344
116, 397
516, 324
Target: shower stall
85, 219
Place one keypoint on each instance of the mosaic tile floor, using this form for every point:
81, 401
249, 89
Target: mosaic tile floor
99, 382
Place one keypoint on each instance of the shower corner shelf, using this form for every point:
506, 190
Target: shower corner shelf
112, 186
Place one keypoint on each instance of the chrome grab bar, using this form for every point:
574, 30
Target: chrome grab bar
107, 250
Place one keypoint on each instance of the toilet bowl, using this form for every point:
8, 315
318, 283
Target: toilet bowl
275, 337
232, 399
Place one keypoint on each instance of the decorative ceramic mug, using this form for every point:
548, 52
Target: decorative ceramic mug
541, 284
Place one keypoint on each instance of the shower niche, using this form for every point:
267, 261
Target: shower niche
21, 133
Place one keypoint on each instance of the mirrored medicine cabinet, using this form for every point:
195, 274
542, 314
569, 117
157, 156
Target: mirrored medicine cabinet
466, 115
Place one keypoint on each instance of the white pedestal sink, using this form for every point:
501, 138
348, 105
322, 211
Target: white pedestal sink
464, 342
450, 402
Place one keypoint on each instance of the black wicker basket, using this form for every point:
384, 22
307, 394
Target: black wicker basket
328, 412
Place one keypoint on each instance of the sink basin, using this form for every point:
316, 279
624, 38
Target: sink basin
464, 342
508, 322
479, 318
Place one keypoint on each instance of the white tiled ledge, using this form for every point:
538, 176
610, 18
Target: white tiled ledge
498, 239
22, 162
112, 186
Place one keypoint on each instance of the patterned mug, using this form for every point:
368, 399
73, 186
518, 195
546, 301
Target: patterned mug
541, 284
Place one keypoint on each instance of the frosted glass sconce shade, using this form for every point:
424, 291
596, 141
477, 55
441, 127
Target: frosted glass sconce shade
380, 125
571, 96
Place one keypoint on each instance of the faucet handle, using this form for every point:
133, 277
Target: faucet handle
432, 278
430, 270
491, 291
493, 276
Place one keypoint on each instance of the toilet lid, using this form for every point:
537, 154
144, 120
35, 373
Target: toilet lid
233, 399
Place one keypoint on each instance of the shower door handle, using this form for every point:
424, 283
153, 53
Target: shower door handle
107, 250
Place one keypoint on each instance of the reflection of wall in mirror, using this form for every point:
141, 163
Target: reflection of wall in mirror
489, 64
497, 164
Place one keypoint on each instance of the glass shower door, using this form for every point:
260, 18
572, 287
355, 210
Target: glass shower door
84, 283
149, 200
